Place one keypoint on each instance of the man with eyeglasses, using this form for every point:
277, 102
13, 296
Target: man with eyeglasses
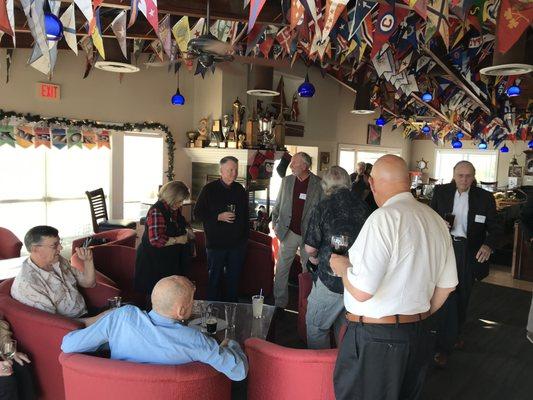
47, 281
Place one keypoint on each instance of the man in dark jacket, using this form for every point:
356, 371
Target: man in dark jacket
222, 206
470, 213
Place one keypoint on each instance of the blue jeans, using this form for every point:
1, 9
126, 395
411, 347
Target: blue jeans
227, 264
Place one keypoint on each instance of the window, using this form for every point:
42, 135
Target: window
485, 162
47, 187
350, 155
143, 173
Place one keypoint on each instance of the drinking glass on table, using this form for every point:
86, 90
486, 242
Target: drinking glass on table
230, 313
211, 321
8, 350
257, 306
339, 244
114, 302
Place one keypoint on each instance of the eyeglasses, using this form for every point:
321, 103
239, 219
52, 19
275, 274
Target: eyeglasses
52, 246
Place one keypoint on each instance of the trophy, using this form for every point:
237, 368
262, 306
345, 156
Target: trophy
266, 132
191, 135
238, 115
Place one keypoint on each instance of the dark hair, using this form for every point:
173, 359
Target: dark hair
224, 160
36, 234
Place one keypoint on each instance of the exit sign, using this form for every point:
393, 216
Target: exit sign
48, 91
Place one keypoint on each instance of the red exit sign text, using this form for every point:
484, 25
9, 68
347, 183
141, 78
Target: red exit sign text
48, 91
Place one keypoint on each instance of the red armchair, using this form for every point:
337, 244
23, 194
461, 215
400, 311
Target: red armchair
118, 264
88, 378
305, 284
10, 245
258, 270
123, 237
278, 372
39, 334
260, 237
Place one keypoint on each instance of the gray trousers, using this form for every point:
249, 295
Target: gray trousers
287, 250
530, 319
324, 310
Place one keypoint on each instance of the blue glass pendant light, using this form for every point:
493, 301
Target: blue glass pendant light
513, 91
504, 149
459, 135
456, 143
178, 99
53, 27
306, 89
380, 121
426, 128
482, 145
427, 96
530, 144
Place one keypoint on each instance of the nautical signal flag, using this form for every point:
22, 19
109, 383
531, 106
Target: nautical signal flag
513, 19
255, 9
387, 22
5, 26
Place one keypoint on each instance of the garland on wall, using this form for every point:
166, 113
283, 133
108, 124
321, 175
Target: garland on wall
49, 132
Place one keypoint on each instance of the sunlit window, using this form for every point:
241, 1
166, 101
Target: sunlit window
485, 162
143, 173
350, 155
47, 186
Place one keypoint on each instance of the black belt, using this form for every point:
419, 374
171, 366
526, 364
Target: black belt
458, 238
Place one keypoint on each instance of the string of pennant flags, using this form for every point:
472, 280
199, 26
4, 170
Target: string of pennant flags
34, 131
390, 37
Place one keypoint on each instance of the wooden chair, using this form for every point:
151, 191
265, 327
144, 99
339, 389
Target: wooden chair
100, 220
490, 186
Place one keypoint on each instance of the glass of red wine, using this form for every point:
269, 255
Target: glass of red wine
339, 244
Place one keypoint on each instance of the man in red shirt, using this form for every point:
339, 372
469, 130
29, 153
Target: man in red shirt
298, 195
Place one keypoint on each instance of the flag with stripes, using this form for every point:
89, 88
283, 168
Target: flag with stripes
437, 21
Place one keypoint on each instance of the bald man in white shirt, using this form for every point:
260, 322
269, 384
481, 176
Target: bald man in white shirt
399, 271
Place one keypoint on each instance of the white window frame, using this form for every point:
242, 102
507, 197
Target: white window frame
465, 152
366, 148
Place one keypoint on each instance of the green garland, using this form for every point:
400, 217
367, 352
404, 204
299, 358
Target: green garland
169, 140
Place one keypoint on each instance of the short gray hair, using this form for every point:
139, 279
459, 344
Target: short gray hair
334, 179
35, 235
174, 191
306, 158
224, 160
467, 163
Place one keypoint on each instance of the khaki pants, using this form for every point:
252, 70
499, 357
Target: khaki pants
286, 253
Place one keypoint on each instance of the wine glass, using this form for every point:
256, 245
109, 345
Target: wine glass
339, 244
231, 208
8, 350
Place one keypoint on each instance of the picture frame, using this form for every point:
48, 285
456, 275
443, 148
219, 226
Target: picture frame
324, 160
515, 171
373, 136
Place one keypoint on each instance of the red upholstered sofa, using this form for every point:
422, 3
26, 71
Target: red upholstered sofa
123, 237
92, 378
39, 334
10, 245
278, 372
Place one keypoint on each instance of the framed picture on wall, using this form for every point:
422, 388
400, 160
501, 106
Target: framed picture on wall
373, 136
515, 171
324, 160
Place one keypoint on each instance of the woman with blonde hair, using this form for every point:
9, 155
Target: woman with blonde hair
164, 249
342, 212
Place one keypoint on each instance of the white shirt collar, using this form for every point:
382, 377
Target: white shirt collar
398, 197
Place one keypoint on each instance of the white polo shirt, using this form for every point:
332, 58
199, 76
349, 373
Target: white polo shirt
402, 253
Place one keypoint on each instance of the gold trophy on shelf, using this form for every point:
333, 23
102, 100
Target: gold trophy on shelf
238, 114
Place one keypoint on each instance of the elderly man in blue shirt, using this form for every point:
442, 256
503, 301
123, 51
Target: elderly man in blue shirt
160, 337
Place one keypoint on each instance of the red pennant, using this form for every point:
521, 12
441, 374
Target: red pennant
5, 26
297, 12
513, 19
387, 22
255, 9
265, 47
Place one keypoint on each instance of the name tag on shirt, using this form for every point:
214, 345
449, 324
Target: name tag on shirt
480, 218
302, 196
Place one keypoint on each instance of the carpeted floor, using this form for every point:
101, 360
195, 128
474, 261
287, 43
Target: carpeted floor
497, 361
